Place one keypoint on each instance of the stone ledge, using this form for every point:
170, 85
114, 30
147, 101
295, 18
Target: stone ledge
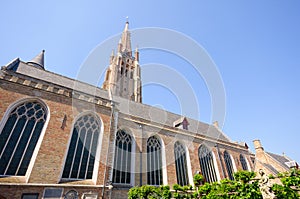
45, 86
50, 185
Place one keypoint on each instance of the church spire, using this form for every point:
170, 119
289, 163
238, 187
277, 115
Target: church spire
125, 40
38, 61
123, 75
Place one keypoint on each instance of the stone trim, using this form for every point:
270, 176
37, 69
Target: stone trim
51, 185
169, 130
52, 88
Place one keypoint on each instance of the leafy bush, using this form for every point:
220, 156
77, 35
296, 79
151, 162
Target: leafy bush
290, 185
198, 179
244, 186
151, 192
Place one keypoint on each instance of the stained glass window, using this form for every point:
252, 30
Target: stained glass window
82, 149
154, 161
19, 137
207, 164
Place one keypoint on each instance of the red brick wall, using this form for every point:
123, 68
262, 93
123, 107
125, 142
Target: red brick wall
50, 159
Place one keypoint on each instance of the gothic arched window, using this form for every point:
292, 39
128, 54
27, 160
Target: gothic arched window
207, 164
181, 164
82, 149
154, 161
229, 166
243, 162
19, 137
122, 163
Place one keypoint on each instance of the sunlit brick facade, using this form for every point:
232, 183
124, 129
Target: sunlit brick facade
91, 145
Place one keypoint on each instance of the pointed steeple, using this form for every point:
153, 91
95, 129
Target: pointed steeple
123, 75
38, 61
125, 40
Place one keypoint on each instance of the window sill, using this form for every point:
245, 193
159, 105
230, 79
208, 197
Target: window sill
13, 179
77, 182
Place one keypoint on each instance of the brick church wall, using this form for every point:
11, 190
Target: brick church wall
49, 162
50, 159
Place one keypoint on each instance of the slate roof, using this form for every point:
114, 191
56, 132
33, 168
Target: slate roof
280, 159
271, 168
131, 108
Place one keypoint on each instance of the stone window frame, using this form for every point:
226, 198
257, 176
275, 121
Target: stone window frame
160, 163
207, 160
229, 165
5, 118
244, 163
97, 152
181, 163
129, 162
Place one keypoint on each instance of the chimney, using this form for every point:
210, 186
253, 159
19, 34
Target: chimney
257, 145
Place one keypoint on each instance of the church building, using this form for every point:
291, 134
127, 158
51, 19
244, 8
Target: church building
62, 138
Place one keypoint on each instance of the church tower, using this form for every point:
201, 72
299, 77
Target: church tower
123, 75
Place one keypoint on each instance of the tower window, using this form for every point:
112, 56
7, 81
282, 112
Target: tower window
107, 75
131, 75
19, 137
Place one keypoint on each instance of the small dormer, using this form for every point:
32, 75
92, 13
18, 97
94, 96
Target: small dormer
292, 164
181, 123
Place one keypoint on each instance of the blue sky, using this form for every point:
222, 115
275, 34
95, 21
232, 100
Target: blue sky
254, 44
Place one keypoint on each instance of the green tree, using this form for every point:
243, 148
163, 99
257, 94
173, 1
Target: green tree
289, 189
244, 186
150, 192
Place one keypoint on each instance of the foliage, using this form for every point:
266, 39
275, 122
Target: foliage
244, 186
150, 192
290, 185
198, 179
182, 191
232, 189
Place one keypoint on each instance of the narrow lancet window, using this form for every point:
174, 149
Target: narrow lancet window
154, 161
229, 165
207, 164
181, 164
122, 161
243, 162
